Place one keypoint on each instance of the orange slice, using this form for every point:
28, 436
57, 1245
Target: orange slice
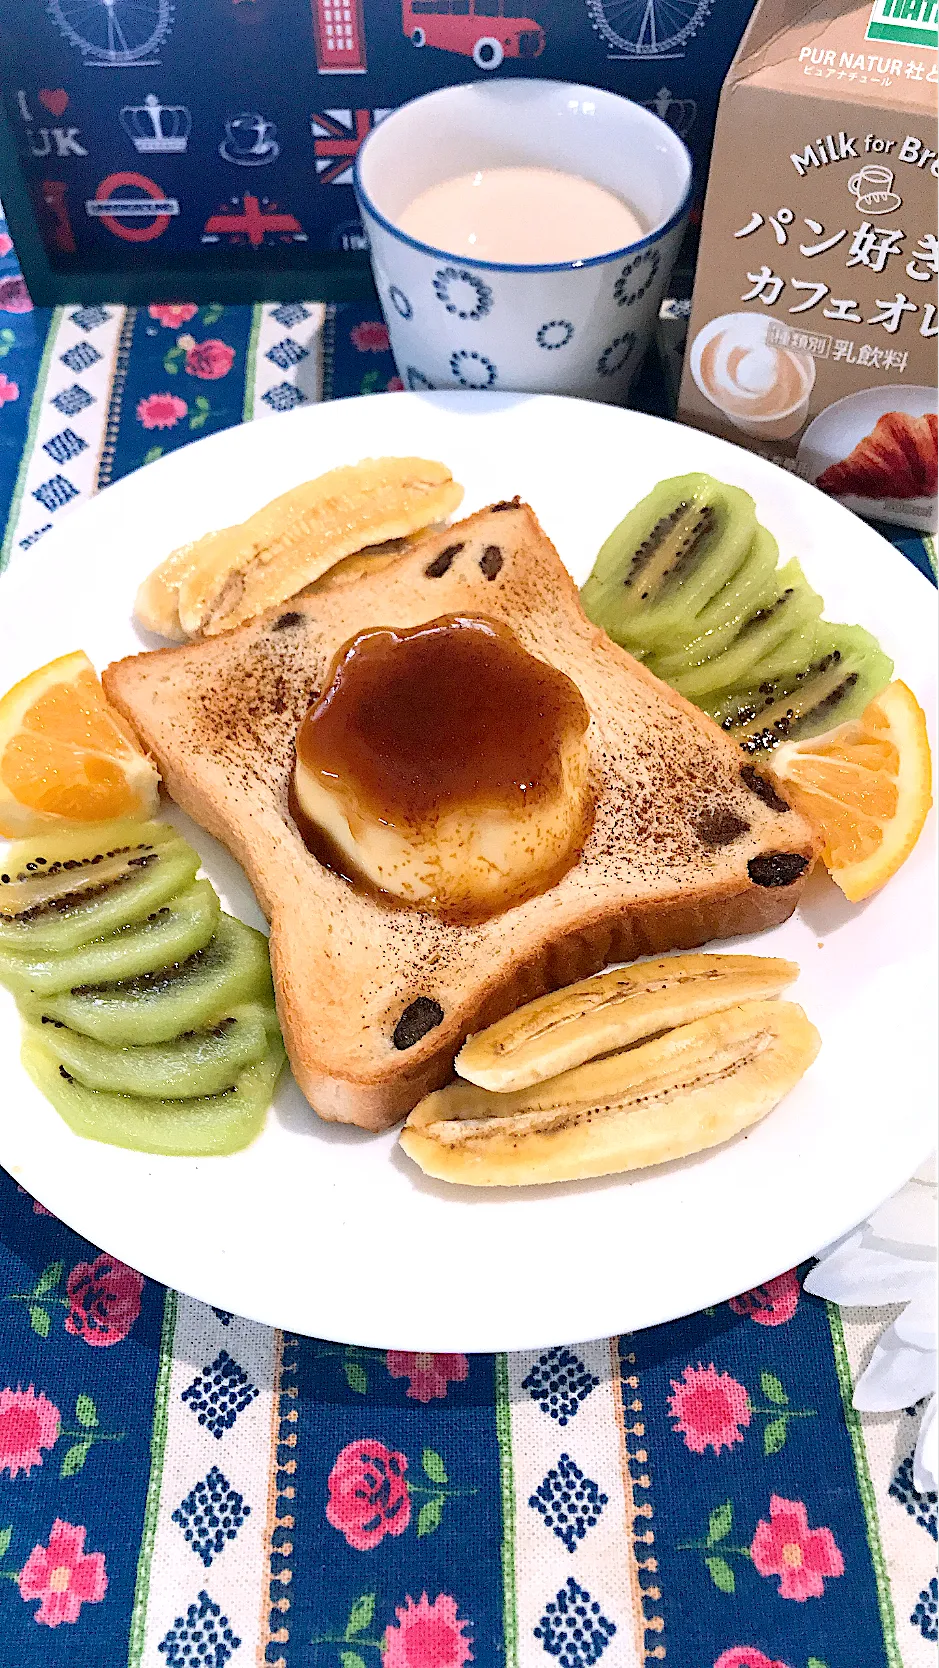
65, 755
865, 787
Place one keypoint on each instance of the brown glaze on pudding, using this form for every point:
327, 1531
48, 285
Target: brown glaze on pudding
445, 767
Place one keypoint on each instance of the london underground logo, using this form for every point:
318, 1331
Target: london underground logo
113, 209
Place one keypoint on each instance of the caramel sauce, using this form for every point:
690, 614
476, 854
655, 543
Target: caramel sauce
451, 714
326, 851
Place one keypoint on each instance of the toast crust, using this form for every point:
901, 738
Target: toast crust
220, 718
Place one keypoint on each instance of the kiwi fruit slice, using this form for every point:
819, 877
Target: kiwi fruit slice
767, 644
169, 934
202, 1126
844, 671
59, 893
196, 1063
668, 559
187, 995
77, 841
689, 584
754, 586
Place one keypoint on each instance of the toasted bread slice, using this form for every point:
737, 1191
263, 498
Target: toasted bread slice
682, 849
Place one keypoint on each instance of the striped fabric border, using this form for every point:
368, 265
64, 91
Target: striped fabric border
35, 412
157, 1451
204, 1553
281, 1512
285, 360
60, 467
573, 1502
251, 355
865, 1486
116, 400
883, 1443
635, 1465
507, 1491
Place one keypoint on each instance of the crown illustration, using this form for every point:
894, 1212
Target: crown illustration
679, 113
153, 126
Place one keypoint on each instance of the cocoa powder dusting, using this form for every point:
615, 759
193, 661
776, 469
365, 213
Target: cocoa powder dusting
244, 711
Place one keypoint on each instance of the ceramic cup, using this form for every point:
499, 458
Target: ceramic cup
574, 327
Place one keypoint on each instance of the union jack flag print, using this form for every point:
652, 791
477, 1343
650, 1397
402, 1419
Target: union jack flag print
338, 135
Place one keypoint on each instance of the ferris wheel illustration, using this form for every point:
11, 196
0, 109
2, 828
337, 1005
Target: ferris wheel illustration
648, 28
114, 34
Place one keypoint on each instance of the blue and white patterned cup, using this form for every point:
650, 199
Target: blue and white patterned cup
577, 327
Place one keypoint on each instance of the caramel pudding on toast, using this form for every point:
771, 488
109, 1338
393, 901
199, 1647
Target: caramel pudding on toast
445, 767
687, 841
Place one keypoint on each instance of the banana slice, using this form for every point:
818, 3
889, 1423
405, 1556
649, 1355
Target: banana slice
157, 602
370, 560
612, 1011
225, 578
263, 561
693, 1088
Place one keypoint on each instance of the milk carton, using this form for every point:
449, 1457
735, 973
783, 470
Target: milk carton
814, 321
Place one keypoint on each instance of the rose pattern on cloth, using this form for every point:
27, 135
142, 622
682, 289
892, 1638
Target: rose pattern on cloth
6, 244
104, 1301
14, 296
28, 1423
161, 411
171, 314
63, 1575
370, 336
746, 1656
772, 1304
9, 390
38, 1209
711, 1409
427, 1635
209, 360
801, 1557
368, 1495
429, 1375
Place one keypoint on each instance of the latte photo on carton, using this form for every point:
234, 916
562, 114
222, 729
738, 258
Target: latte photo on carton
814, 322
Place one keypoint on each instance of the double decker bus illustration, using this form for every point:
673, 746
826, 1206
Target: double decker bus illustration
488, 31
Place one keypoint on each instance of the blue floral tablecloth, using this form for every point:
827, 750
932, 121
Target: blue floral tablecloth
181, 1488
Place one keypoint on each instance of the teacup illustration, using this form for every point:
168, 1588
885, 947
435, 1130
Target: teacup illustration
250, 140
872, 189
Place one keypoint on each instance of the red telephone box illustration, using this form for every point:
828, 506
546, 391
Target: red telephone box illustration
485, 30
340, 37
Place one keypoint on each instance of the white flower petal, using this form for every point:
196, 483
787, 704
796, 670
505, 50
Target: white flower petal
854, 1238
926, 1457
917, 1324
928, 1172
856, 1274
897, 1376
909, 1218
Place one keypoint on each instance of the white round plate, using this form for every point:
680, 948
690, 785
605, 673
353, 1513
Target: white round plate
327, 1230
